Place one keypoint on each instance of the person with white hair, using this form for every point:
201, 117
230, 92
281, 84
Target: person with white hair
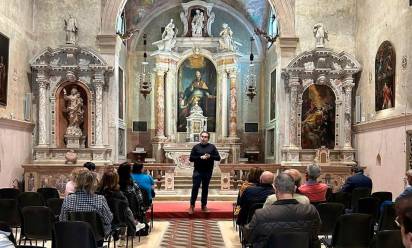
314, 190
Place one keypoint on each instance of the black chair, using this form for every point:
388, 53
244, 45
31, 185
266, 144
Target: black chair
382, 196
389, 238
357, 193
9, 213
342, 197
368, 205
95, 223
9, 193
118, 208
250, 214
148, 205
288, 239
26, 199
48, 193
65, 232
38, 223
329, 213
352, 230
387, 218
55, 204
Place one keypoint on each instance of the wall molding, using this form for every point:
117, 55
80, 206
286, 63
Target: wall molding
16, 124
376, 125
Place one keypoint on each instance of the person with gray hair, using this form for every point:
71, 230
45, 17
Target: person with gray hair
408, 180
314, 190
284, 215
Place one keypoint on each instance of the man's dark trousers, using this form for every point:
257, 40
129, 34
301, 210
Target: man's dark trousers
204, 178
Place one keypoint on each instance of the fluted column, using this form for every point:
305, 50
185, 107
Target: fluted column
348, 85
233, 104
293, 85
43, 85
159, 105
98, 82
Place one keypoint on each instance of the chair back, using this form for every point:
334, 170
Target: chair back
342, 197
38, 222
55, 204
9, 193
48, 193
145, 196
289, 240
382, 196
65, 232
93, 219
118, 208
353, 230
387, 218
368, 205
9, 212
358, 193
26, 199
329, 213
389, 238
252, 210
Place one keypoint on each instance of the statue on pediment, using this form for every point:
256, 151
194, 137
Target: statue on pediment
321, 34
226, 38
70, 26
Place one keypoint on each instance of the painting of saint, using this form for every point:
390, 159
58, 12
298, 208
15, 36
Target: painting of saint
318, 117
197, 85
4, 66
385, 64
272, 95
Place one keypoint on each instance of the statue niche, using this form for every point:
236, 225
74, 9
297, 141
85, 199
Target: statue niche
318, 117
72, 117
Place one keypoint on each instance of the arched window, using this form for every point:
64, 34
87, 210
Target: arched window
273, 26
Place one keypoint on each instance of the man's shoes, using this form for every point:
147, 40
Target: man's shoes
205, 209
191, 210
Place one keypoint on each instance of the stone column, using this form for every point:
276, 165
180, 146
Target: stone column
348, 85
159, 105
233, 105
171, 102
98, 82
43, 84
293, 85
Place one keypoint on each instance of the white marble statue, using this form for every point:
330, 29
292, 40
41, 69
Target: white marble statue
75, 112
226, 40
70, 25
198, 24
169, 37
320, 33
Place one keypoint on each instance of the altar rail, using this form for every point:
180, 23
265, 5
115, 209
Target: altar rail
57, 175
232, 175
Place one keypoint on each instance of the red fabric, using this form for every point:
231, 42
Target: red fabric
315, 192
179, 209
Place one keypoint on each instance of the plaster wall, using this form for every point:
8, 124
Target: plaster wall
339, 17
378, 21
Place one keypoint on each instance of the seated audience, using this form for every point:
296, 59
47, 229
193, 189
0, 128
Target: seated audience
403, 208
286, 214
144, 180
408, 189
90, 166
255, 194
84, 200
132, 192
358, 179
70, 185
253, 178
109, 187
314, 190
297, 177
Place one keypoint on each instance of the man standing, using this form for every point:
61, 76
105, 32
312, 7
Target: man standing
203, 155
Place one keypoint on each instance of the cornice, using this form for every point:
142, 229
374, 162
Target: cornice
375, 125
16, 124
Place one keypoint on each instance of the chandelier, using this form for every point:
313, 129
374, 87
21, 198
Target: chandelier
251, 75
144, 76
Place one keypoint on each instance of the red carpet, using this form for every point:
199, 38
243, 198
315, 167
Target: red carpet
178, 209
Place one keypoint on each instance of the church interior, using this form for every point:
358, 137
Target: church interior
311, 86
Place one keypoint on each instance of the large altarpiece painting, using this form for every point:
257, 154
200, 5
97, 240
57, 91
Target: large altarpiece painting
318, 117
385, 65
4, 66
197, 85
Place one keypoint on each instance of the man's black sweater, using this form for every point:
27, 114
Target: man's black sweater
204, 165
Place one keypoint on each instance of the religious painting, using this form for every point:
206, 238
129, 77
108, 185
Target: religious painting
270, 143
196, 86
121, 95
318, 117
4, 66
272, 107
385, 64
